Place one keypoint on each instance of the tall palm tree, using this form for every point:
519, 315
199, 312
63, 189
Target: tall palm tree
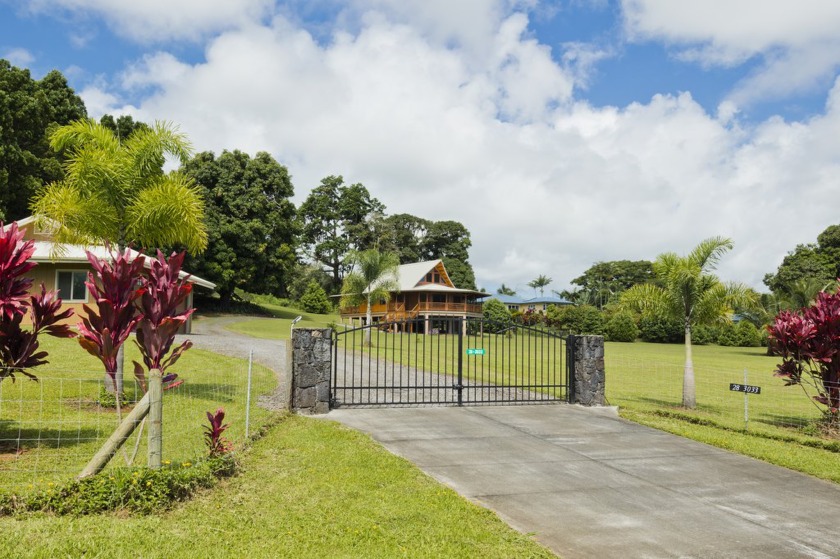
540, 283
374, 278
116, 191
690, 293
505, 290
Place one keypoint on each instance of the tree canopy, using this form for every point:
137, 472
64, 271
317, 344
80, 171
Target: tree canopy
117, 191
250, 222
604, 281
29, 109
336, 219
820, 262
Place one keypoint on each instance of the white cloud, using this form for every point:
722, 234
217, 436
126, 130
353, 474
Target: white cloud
19, 57
157, 20
798, 43
546, 185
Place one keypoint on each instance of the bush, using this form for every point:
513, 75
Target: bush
661, 330
703, 335
748, 335
139, 490
621, 328
727, 336
582, 319
315, 299
497, 314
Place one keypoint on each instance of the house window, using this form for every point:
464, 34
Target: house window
513, 307
531, 307
545, 307
71, 285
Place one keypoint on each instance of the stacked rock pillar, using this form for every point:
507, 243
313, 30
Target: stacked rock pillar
311, 367
589, 377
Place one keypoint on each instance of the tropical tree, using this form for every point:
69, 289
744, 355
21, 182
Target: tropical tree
373, 278
250, 222
541, 282
334, 221
505, 290
116, 190
28, 109
690, 293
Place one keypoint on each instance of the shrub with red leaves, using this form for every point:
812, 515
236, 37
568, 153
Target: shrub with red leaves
163, 311
809, 342
19, 347
216, 444
114, 287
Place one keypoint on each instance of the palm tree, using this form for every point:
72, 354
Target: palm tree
373, 278
690, 293
117, 192
505, 290
540, 283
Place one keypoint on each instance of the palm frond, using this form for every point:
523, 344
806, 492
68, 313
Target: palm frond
708, 253
149, 147
168, 212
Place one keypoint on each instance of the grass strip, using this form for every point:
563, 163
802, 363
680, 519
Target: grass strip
308, 488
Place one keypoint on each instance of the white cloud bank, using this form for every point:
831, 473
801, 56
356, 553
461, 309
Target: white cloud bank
494, 137
798, 42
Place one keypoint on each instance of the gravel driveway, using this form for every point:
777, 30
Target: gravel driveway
210, 333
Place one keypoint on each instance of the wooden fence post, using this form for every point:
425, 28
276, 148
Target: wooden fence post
155, 418
117, 438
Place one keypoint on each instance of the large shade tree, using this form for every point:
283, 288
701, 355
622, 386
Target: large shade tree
374, 278
250, 222
116, 190
336, 219
687, 290
28, 110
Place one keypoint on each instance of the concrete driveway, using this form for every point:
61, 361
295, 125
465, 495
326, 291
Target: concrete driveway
589, 484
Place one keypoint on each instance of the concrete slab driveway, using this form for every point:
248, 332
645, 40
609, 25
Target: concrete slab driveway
589, 484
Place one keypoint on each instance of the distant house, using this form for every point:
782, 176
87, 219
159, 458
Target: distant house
425, 292
534, 304
66, 270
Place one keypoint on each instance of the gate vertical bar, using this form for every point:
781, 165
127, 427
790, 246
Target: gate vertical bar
460, 385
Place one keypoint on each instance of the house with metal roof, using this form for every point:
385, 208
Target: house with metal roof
425, 292
65, 268
539, 304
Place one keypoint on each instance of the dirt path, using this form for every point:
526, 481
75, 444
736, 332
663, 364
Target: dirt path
210, 333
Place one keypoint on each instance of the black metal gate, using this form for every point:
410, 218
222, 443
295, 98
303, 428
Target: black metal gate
454, 361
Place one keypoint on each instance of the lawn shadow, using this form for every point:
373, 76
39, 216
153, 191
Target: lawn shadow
205, 391
17, 440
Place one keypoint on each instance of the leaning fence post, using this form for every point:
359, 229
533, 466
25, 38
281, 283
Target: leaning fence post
155, 418
117, 438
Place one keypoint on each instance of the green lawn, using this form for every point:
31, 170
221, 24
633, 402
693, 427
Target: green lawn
645, 381
279, 327
310, 488
50, 429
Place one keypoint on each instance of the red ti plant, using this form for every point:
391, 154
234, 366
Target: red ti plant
809, 342
163, 311
114, 287
216, 444
19, 347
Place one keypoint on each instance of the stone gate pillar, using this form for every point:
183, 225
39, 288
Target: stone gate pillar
311, 368
589, 376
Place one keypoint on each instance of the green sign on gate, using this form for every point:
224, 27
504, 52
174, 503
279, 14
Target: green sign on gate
476, 351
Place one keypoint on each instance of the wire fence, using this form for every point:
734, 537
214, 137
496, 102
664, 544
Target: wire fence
50, 429
735, 389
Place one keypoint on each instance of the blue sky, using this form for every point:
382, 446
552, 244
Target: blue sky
561, 133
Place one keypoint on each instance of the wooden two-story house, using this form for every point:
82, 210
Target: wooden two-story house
426, 294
